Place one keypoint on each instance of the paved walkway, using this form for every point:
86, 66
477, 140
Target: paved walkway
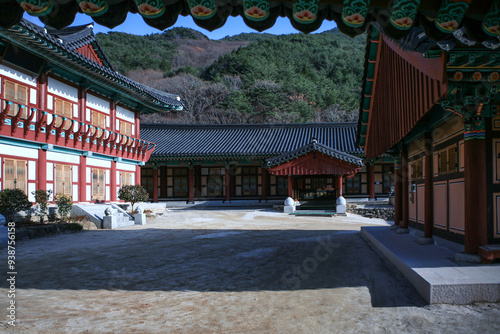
224, 272
433, 272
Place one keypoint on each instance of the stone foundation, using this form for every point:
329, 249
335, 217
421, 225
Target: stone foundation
382, 213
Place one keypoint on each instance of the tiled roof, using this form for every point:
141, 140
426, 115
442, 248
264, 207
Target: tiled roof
40, 41
78, 36
251, 140
314, 146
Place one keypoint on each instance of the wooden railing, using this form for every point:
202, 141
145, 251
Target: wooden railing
40, 126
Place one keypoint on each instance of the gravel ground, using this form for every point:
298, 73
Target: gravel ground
224, 272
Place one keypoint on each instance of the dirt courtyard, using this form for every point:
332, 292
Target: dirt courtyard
224, 272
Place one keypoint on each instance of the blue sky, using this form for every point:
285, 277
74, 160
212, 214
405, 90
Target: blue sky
134, 24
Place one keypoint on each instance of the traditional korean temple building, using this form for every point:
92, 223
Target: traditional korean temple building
437, 113
68, 121
262, 162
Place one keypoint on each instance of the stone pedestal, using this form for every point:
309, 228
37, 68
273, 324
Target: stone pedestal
289, 205
341, 206
402, 230
425, 241
109, 222
140, 219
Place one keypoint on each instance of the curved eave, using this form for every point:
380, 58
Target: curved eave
73, 62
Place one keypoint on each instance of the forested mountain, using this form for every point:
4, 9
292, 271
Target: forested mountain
248, 78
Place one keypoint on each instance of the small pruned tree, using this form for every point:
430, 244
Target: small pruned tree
13, 201
64, 205
42, 198
133, 194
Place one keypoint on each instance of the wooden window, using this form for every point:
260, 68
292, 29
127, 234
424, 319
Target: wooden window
180, 182
353, 184
18, 94
215, 182
98, 120
125, 128
147, 180
98, 184
15, 174
63, 180
416, 169
64, 109
448, 160
15, 92
249, 181
125, 179
282, 186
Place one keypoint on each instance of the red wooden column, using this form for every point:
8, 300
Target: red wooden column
476, 218
371, 181
429, 188
290, 186
397, 192
190, 185
155, 184
113, 181
42, 92
42, 170
82, 180
405, 197
339, 184
227, 184
138, 175
263, 183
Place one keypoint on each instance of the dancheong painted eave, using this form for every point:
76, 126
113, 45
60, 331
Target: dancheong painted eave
446, 22
254, 140
67, 62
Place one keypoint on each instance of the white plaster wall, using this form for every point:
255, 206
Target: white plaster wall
97, 103
31, 189
108, 193
50, 102
132, 179
1, 170
49, 118
89, 175
62, 157
75, 110
117, 125
98, 163
87, 114
75, 193
31, 170
17, 151
124, 166
50, 186
125, 114
108, 121
32, 96
75, 173
117, 178
107, 176
50, 171
61, 89
17, 75
89, 193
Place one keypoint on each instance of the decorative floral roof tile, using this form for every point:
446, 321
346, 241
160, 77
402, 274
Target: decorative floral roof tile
440, 19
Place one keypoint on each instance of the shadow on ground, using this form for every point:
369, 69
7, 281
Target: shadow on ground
211, 260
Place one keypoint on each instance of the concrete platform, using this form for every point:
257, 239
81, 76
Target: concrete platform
433, 272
